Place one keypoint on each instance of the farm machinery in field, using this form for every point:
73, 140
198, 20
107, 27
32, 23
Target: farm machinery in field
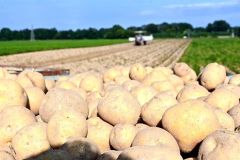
141, 38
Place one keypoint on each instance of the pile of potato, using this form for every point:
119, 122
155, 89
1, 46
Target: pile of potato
124, 113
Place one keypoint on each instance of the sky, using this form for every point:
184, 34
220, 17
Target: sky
74, 14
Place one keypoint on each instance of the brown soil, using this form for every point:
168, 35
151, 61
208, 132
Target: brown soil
159, 52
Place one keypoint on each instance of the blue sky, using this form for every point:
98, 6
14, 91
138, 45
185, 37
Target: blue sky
73, 14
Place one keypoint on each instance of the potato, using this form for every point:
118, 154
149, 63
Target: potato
49, 84
176, 81
235, 114
130, 84
81, 148
64, 124
35, 97
38, 117
192, 92
163, 86
57, 154
148, 69
31, 79
233, 88
119, 106
124, 70
153, 136
81, 92
185, 72
93, 100
235, 80
154, 76
77, 78
12, 94
109, 155
225, 120
6, 156
191, 158
8, 148
111, 74
192, 119
65, 85
153, 110
121, 79
141, 126
149, 153
212, 76
143, 93
91, 83
12, 120
3, 73
31, 140
167, 71
220, 145
122, 135
137, 72
223, 99
58, 99
99, 132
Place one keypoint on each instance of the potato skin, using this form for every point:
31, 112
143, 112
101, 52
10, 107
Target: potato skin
35, 97
31, 140
185, 72
153, 110
81, 148
220, 145
153, 136
119, 106
92, 83
235, 80
223, 99
122, 136
212, 76
109, 155
99, 132
6, 156
31, 79
225, 120
144, 93
193, 116
192, 91
137, 72
65, 124
12, 120
235, 114
149, 153
12, 94
57, 99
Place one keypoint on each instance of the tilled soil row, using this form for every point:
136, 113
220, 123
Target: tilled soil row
160, 52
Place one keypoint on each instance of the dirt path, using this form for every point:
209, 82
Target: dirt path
160, 52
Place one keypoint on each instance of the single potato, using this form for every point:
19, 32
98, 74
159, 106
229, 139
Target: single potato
192, 119
31, 141
220, 145
119, 106
65, 124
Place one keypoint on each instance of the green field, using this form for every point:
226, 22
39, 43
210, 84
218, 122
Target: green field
14, 47
204, 51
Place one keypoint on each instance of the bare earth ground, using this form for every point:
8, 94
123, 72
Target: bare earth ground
159, 52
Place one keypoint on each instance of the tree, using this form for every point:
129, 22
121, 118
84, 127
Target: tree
209, 27
151, 28
220, 26
6, 34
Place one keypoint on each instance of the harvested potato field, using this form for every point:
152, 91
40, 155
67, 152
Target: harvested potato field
160, 52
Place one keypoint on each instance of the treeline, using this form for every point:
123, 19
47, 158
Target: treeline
163, 30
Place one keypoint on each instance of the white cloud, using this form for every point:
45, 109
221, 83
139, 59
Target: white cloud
204, 5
